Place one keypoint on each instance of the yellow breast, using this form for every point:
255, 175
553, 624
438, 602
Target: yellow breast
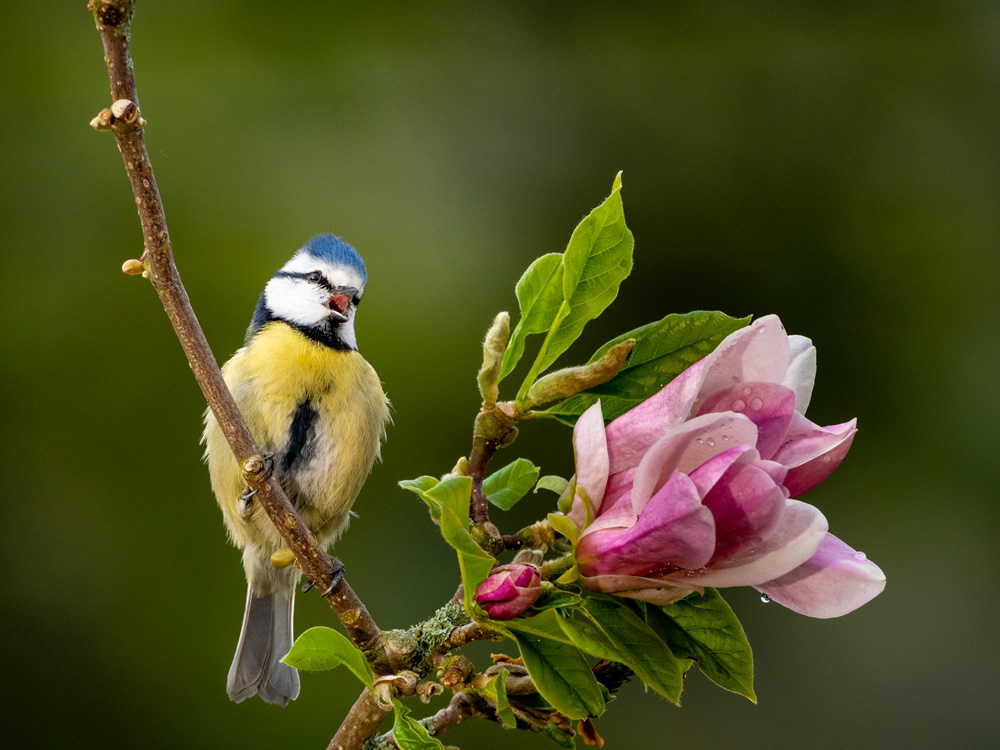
271, 378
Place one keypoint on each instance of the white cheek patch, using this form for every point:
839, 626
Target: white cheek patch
296, 301
346, 332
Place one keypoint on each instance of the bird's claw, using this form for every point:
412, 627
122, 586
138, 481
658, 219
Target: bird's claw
336, 574
245, 504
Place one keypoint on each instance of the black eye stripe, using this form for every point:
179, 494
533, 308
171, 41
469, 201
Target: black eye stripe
306, 276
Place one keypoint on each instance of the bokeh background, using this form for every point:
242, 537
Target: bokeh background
837, 164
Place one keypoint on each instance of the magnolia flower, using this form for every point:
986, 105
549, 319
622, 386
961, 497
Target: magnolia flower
509, 590
695, 487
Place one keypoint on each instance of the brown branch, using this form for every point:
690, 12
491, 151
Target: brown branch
494, 428
361, 723
464, 634
114, 19
463, 705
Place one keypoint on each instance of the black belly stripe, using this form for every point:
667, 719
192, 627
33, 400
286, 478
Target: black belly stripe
298, 436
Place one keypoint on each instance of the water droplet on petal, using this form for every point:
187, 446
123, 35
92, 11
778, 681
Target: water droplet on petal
756, 404
699, 441
725, 438
710, 442
739, 405
860, 556
747, 391
765, 598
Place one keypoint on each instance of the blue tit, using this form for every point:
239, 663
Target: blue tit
317, 408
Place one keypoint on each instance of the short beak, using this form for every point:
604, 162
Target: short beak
339, 301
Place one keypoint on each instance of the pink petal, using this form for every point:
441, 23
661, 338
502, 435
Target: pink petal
801, 373
768, 405
709, 473
496, 588
654, 590
618, 484
834, 581
687, 447
756, 353
618, 516
632, 434
811, 453
591, 449
794, 540
746, 505
673, 531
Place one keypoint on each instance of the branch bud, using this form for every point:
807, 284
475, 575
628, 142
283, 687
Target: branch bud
455, 671
102, 121
111, 13
282, 558
571, 380
133, 267
493, 349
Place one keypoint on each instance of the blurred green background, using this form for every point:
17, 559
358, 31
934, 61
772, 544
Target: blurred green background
837, 164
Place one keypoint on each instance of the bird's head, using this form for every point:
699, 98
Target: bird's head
318, 292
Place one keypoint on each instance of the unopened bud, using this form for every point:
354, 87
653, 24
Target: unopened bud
509, 590
103, 120
493, 348
282, 558
571, 380
133, 267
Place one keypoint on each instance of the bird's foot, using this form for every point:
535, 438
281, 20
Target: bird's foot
336, 575
266, 467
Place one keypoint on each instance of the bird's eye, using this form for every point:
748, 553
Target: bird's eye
314, 276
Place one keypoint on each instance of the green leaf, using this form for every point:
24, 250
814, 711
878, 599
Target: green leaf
559, 737
705, 629
552, 597
409, 733
564, 525
452, 498
540, 295
420, 486
613, 631
508, 485
552, 483
662, 351
322, 648
559, 669
495, 691
595, 263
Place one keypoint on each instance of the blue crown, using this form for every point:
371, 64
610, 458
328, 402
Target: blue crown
333, 250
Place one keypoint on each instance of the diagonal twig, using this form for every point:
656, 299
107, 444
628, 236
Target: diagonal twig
123, 119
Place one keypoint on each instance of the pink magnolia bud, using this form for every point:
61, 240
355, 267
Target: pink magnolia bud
509, 590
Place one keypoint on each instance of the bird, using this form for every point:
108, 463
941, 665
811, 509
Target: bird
317, 410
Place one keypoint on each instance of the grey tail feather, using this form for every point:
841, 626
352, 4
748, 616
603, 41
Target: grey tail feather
265, 638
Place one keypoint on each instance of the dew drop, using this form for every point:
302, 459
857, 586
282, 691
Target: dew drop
765, 598
725, 438
699, 441
747, 391
710, 442
756, 404
739, 405
860, 556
